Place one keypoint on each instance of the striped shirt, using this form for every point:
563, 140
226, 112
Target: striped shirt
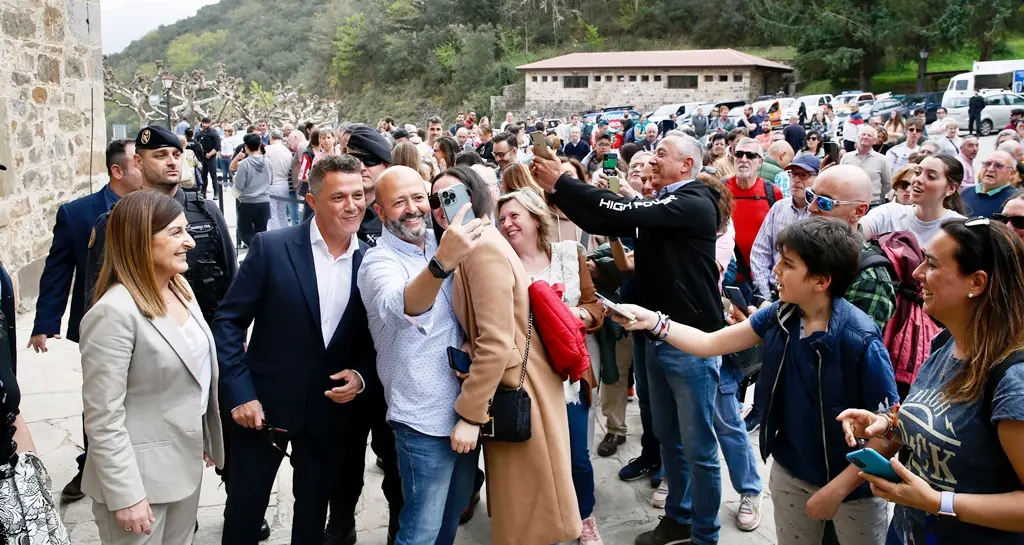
763, 254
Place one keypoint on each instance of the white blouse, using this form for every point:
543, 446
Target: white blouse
199, 345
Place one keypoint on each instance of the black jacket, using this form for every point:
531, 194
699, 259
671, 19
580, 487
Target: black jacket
576, 151
976, 104
676, 272
209, 139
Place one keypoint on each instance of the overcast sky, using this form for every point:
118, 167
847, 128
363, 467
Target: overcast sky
127, 20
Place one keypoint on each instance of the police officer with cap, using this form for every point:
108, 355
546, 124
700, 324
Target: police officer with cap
212, 263
374, 152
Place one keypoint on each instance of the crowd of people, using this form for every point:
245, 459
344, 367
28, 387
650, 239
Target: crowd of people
412, 273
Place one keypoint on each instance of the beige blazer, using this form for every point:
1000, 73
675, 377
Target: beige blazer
141, 400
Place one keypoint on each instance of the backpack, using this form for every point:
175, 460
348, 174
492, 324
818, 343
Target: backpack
908, 334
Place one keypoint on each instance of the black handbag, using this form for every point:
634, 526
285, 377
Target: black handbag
509, 409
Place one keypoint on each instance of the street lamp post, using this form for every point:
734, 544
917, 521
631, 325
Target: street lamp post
168, 81
922, 69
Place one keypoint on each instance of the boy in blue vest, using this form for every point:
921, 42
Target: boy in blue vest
819, 353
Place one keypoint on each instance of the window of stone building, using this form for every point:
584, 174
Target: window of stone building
737, 77
544, 79
657, 78
535, 79
554, 78
723, 78
709, 78
577, 82
597, 78
632, 78
620, 79
645, 78
608, 79
682, 82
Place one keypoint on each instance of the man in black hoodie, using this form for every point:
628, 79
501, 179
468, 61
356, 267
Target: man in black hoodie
676, 274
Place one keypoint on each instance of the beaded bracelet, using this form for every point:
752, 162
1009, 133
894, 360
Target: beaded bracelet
892, 422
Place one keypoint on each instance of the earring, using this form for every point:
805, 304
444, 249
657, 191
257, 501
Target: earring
970, 296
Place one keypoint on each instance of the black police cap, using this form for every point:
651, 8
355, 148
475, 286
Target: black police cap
155, 137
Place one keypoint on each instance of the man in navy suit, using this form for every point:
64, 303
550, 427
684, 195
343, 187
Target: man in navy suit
307, 357
70, 245
66, 259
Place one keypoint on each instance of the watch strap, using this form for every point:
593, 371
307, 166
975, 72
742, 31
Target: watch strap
946, 503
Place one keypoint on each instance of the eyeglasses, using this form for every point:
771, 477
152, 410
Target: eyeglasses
825, 204
912, 129
502, 154
272, 436
746, 155
994, 165
1016, 221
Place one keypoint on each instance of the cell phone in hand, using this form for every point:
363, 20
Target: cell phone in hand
614, 307
540, 146
452, 200
459, 360
871, 462
832, 150
613, 184
736, 297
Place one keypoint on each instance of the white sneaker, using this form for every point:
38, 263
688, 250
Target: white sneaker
748, 518
660, 495
590, 535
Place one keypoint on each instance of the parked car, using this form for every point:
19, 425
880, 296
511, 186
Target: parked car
842, 102
775, 110
884, 107
863, 108
930, 102
810, 102
995, 116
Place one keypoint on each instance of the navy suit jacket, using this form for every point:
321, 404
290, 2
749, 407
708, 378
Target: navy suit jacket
286, 366
7, 307
66, 259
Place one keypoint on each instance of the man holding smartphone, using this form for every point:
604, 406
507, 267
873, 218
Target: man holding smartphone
406, 287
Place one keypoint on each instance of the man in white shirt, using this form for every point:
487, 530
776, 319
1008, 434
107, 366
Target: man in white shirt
939, 126
406, 286
899, 155
872, 162
228, 144
280, 159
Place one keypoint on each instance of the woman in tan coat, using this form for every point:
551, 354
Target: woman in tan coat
530, 494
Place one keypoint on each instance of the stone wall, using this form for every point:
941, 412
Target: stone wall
51, 124
646, 90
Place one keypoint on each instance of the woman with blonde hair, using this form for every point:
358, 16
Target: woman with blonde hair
901, 184
189, 162
406, 154
895, 127
149, 380
525, 222
516, 176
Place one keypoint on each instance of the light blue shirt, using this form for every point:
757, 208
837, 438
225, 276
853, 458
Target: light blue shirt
412, 351
671, 188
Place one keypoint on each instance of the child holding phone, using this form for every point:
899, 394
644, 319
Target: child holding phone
820, 352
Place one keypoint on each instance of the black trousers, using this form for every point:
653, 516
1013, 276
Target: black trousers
974, 123
349, 484
254, 463
252, 219
209, 178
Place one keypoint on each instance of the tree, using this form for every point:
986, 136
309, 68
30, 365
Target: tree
983, 20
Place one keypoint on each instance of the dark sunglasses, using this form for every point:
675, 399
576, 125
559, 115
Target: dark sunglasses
911, 129
272, 436
747, 154
815, 138
1016, 221
825, 204
366, 160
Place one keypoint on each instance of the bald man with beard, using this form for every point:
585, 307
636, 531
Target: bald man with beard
844, 192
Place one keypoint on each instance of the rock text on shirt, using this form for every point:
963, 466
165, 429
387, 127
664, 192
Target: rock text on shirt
935, 445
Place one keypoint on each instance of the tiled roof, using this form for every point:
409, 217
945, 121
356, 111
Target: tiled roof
693, 58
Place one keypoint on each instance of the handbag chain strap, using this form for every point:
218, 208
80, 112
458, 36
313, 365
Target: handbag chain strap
526, 356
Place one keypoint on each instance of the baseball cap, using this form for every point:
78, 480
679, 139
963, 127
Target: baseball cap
809, 163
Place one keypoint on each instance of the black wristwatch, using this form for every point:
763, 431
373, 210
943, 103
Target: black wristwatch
437, 270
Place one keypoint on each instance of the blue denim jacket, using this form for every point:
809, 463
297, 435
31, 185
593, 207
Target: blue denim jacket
847, 366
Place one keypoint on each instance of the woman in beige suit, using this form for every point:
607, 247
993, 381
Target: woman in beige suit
149, 387
530, 492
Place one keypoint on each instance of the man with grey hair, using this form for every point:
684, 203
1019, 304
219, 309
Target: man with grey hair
279, 158
676, 274
1012, 147
872, 162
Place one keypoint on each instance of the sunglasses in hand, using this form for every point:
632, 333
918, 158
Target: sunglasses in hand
273, 435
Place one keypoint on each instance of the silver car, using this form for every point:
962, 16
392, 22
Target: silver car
994, 117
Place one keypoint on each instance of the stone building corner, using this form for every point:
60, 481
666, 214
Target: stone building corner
52, 125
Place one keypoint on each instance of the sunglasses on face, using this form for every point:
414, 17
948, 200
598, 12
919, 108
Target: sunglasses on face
825, 204
813, 138
366, 160
747, 155
1016, 221
912, 130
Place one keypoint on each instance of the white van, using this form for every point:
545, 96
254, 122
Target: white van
985, 76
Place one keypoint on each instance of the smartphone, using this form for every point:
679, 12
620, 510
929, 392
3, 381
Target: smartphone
452, 200
736, 296
458, 360
611, 161
613, 184
832, 150
614, 307
540, 146
873, 463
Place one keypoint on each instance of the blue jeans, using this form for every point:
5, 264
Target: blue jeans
684, 389
437, 484
582, 469
733, 436
650, 449
293, 208
225, 172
